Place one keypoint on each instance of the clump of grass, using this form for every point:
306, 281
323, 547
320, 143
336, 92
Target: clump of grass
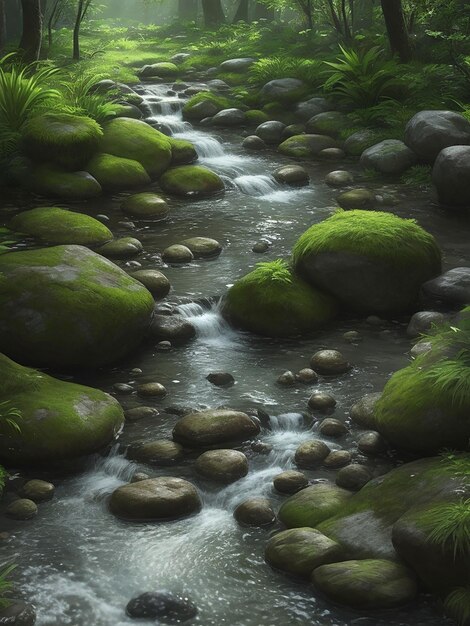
457, 604
274, 67
9, 414
5, 584
418, 176
272, 272
448, 524
451, 379
456, 464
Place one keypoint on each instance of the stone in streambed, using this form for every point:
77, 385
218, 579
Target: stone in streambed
332, 428
306, 146
156, 282
221, 379
372, 444
353, 477
253, 142
337, 459
423, 322
295, 175
140, 412
22, 509
124, 248
202, 247
223, 466
18, 613
451, 287
339, 178
356, 199
362, 412
287, 379
391, 156
214, 427
115, 173
173, 328
321, 401
290, 482
152, 390
145, 206
161, 498
160, 452
429, 132
311, 453
270, 132
162, 606
299, 551
191, 180
37, 491
177, 253
312, 505
255, 512
307, 376
329, 362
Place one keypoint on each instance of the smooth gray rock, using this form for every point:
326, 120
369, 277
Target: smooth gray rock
452, 287
451, 176
429, 132
391, 156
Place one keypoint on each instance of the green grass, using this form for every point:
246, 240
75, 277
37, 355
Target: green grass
457, 604
371, 233
418, 176
451, 378
5, 585
448, 524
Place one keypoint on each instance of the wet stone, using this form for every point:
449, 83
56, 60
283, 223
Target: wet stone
372, 444
321, 401
140, 412
290, 482
253, 142
163, 346
311, 454
329, 362
153, 390
352, 336
353, 477
177, 254
260, 247
287, 379
162, 605
332, 428
224, 466
221, 379
160, 452
337, 459
339, 178
255, 512
307, 376
37, 491
156, 282
138, 476
17, 614
21, 509
123, 248
261, 447
123, 388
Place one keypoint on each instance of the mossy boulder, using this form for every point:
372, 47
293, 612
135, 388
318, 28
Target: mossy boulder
313, 505
191, 180
255, 117
272, 301
328, 123
49, 180
66, 140
359, 141
390, 156
306, 146
372, 262
182, 152
204, 104
60, 226
146, 205
114, 173
136, 140
299, 551
367, 584
162, 69
58, 420
66, 306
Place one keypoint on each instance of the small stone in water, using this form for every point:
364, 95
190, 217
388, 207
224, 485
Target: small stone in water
102, 217
311, 453
163, 346
329, 362
353, 477
290, 482
337, 458
372, 443
138, 476
352, 336
221, 379
21, 509
152, 390
135, 371
307, 376
261, 447
255, 512
122, 388
321, 401
140, 412
162, 604
332, 428
287, 379
37, 491
260, 247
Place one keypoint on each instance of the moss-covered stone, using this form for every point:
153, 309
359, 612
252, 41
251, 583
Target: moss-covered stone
134, 139
58, 420
204, 104
313, 505
191, 180
49, 180
60, 226
359, 141
114, 173
214, 427
255, 117
127, 110
272, 301
306, 146
66, 140
162, 69
145, 205
328, 123
182, 152
373, 262
361, 198
299, 551
368, 584
69, 307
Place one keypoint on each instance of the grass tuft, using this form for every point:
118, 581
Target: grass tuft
448, 524
458, 605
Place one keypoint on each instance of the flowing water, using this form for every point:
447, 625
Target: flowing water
77, 563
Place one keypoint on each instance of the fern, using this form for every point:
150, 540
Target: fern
9, 415
5, 584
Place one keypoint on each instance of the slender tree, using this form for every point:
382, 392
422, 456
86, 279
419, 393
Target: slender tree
82, 10
213, 13
396, 29
3, 27
30, 43
241, 14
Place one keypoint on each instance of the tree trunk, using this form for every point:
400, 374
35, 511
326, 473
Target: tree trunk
262, 12
213, 13
3, 27
187, 10
76, 33
30, 42
242, 12
396, 29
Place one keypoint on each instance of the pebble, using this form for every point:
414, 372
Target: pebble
337, 458
140, 412
221, 379
123, 388
321, 401
332, 428
260, 247
307, 376
352, 336
290, 482
287, 379
353, 477
372, 443
37, 490
21, 509
156, 390
329, 362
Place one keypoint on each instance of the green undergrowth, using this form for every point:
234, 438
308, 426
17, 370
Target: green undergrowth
448, 524
371, 233
457, 604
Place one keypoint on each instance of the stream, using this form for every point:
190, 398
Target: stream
79, 564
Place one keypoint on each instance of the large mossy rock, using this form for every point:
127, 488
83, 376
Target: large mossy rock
155, 499
272, 301
49, 180
60, 226
204, 104
425, 407
114, 173
368, 584
372, 262
429, 132
214, 427
312, 505
306, 146
67, 140
162, 69
365, 522
328, 123
57, 420
191, 181
299, 551
182, 152
69, 307
136, 140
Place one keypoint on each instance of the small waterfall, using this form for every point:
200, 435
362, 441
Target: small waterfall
107, 474
256, 185
206, 146
293, 422
173, 122
209, 323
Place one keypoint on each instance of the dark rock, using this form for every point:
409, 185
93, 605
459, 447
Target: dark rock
353, 477
167, 607
221, 379
452, 287
173, 328
255, 512
429, 132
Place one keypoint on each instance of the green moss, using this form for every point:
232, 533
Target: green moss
136, 140
272, 301
256, 117
306, 146
163, 69
221, 102
66, 140
49, 180
182, 152
232, 78
374, 234
313, 505
191, 180
69, 307
126, 110
55, 225
116, 173
59, 420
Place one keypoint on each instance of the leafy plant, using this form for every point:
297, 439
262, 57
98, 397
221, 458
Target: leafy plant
5, 584
275, 67
79, 97
418, 175
361, 78
9, 415
458, 604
